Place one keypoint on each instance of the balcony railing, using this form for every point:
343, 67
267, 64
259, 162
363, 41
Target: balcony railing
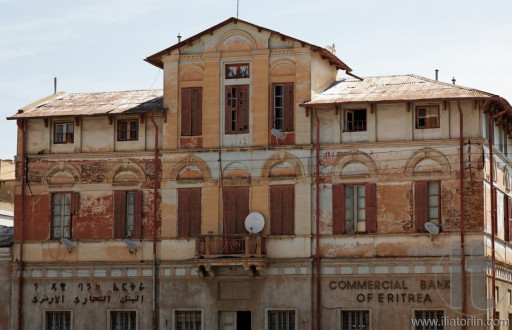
231, 245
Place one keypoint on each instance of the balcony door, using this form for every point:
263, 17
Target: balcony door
240, 320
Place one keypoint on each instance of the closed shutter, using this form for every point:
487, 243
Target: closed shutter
243, 109
242, 209
276, 210
183, 212
288, 194
338, 209
75, 203
289, 107
229, 203
371, 207
137, 215
186, 111
197, 112
421, 205
195, 212
282, 210
119, 214
509, 220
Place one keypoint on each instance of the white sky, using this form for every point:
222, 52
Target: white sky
99, 45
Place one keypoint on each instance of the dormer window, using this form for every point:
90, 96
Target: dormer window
63, 133
427, 116
355, 120
237, 71
127, 130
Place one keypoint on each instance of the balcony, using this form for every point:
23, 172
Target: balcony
212, 246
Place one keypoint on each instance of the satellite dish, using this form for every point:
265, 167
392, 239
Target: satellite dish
254, 222
432, 228
132, 246
278, 134
70, 245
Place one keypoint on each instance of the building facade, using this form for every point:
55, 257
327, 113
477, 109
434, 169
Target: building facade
131, 207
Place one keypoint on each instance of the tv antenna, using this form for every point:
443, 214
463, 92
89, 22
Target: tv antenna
237, 5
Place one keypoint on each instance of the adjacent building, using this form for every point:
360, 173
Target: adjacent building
374, 201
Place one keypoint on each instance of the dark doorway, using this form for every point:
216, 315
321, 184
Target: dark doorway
243, 320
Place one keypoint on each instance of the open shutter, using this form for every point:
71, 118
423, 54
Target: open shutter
195, 212
421, 205
371, 207
119, 214
229, 198
494, 207
242, 122
338, 209
186, 111
289, 107
183, 212
75, 203
137, 215
196, 109
242, 209
288, 198
509, 219
276, 210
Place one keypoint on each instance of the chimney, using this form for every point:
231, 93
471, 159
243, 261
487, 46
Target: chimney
54, 85
453, 80
437, 74
179, 37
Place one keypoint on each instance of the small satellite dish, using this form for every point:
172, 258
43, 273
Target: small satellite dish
70, 245
278, 134
254, 222
432, 228
132, 246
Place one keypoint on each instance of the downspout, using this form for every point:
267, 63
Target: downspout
461, 169
317, 215
20, 123
493, 214
155, 212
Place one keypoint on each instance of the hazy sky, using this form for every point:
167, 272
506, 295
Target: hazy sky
100, 45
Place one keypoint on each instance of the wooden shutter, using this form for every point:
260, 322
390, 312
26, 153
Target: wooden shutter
186, 111
196, 110
494, 203
242, 209
288, 107
242, 121
229, 203
183, 212
371, 207
276, 210
137, 215
338, 209
75, 203
509, 219
229, 109
119, 214
288, 198
195, 212
421, 205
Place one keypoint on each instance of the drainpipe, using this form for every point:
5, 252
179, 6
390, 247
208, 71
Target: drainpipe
155, 211
493, 212
20, 123
461, 169
317, 214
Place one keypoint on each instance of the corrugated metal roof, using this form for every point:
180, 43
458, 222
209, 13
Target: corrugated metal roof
394, 88
91, 104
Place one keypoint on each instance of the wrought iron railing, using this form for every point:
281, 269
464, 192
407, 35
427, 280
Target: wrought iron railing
233, 245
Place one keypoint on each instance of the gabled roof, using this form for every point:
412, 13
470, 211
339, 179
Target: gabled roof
394, 89
94, 104
156, 59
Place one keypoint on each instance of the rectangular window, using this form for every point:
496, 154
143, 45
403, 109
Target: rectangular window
237, 71
355, 120
191, 111
283, 107
281, 320
427, 201
57, 320
64, 205
127, 130
355, 320
123, 320
188, 320
354, 208
236, 209
189, 212
427, 116
63, 133
429, 320
237, 109
282, 210
127, 214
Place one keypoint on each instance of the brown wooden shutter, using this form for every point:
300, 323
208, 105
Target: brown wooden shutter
229, 203
137, 215
119, 214
509, 220
421, 205
495, 209
75, 203
197, 113
242, 122
195, 212
242, 209
186, 111
338, 209
229, 109
371, 207
289, 107
183, 212
288, 197
276, 210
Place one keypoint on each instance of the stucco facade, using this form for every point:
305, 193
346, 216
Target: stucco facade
205, 153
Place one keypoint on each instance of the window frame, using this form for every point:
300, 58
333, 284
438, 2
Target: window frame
429, 206
72, 207
287, 106
110, 312
120, 218
346, 122
241, 111
422, 204
282, 204
191, 111
175, 317
281, 310
65, 134
234, 217
414, 311
356, 209
189, 222
426, 108
66, 311
338, 208
128, 130
238, 74
351, 326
